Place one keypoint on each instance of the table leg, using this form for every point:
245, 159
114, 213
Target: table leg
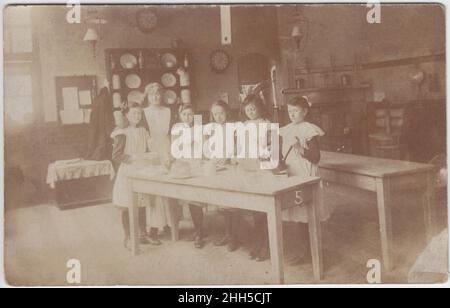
385, 220
428, 207
315, 233
133, 211
275, 229
173, 204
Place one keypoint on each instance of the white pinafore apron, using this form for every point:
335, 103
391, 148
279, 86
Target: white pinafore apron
299, 166
158, 120
136, 143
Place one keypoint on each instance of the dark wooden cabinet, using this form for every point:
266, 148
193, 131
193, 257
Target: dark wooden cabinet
333, 119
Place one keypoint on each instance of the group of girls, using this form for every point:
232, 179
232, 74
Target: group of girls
300, 149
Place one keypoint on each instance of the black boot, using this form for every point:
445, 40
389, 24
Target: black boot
264, 252
197, 220
233, 232
225, 239
153, 237
259, 219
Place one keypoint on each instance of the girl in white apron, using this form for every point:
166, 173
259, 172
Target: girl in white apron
301, 161
159, 120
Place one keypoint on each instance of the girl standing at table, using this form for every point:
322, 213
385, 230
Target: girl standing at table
137, 141
302, 161
159, 121
220, 114
254, 112
186, 116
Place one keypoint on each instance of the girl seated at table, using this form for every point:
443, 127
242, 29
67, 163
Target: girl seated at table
220, 114
136, 141
186, 117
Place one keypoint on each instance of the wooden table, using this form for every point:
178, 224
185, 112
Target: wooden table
80, 183
257, 191
386, 177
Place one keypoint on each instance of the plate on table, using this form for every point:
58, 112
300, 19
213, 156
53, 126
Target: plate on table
170, 97
135, 96
168, 80
128, 61
168, 60
133, 81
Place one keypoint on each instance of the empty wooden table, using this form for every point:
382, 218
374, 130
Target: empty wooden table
385, 177
257, 191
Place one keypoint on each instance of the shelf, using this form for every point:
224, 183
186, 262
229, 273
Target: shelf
305, 90
152, 71
437, 57
121, 70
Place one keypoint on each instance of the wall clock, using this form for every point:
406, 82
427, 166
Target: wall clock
146, 20
219, 60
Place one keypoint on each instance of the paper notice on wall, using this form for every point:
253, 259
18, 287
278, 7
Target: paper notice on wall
85, 97
70, 98
87, 115
72, 116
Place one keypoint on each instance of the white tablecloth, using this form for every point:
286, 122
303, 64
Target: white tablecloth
77, 169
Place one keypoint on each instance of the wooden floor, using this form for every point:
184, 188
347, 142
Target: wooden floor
40, 239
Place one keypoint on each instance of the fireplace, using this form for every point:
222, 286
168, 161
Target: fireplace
340, 112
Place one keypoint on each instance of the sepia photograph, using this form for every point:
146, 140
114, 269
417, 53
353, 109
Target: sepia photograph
222, 144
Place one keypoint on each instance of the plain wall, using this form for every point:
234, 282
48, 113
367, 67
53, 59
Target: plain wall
342, 31
63, 52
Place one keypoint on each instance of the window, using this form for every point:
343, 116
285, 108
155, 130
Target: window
18, 94
17, 30
18, 68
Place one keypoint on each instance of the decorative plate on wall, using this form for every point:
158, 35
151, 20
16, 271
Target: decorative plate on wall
170, 97
128, 61
135, 97
168, 80
168, 60
133, 81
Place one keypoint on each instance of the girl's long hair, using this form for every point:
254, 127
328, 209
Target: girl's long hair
253, 99
224, 106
